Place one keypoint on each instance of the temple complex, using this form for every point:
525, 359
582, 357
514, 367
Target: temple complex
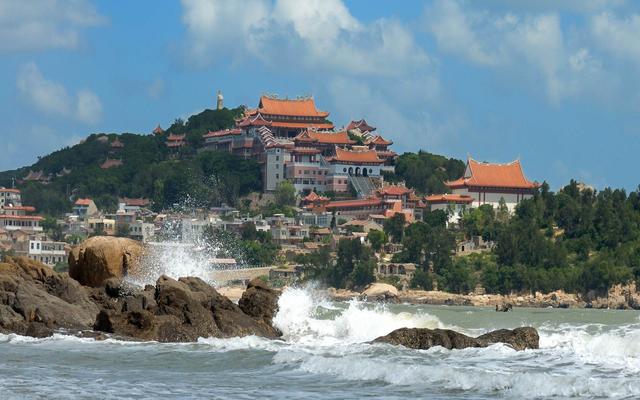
289, 117
490, 183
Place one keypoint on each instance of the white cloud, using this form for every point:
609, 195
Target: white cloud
53, 98
531, 45
44, 24
315, 34
620, 36
89, 107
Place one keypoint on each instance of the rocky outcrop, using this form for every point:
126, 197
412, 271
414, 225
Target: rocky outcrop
259, 302
103, 257
422, 338
380, 292
180, 311
35, 300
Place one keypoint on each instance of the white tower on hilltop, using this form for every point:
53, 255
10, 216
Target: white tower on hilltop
219, 100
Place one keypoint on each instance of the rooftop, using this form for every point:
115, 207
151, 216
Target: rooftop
449, 198
509, 175
325, 137
349, 156
305, 107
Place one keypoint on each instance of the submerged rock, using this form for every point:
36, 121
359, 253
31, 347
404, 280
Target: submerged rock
100, 258
423, 338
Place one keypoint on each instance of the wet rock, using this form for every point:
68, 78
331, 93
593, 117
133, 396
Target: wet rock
180, 311
519, 338
259, 301
100, 258
423, 338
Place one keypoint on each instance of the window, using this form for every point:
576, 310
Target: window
277, 176
277, 158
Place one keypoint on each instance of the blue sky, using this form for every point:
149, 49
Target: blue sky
556, 86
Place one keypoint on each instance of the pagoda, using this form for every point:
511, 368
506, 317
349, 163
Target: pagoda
288, 117
492, 183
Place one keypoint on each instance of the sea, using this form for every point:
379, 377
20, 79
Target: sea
326, 353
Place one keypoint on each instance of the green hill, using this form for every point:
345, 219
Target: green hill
149, 169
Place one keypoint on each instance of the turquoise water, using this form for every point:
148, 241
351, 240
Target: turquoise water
324, 354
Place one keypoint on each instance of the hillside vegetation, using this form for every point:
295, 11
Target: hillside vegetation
149, 169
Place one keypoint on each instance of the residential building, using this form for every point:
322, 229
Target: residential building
10, 197
48, 252
85, 208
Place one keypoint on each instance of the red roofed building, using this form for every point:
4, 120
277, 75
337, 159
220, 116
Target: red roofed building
17, 217
358, 209
117, 144
85, 208
231, 140
176, 141
290, 117
10, 197
324, 140
361, 126
381, 145
489, 183
110, 163
158, 130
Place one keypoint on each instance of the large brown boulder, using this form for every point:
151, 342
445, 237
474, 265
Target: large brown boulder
103, 257
179, 311
259, 301
34, 299
423, 338
378, 291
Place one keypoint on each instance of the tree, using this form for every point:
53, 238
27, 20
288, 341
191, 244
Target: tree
376, 239
123, 230
421, 280
394, 227
285, 194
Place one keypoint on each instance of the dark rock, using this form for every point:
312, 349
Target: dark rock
422, 338
113, 287
519, 338
38, 330
35, 300
33, 292
259, 301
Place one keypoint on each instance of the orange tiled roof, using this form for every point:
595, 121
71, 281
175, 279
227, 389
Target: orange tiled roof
158, 130
508, 175
302, 125
6, 190
255, 120
83, 202
173, 137
305, 150
140, 202
23, 217
380, 141
394, 190
341, 137
354, 203
367, 156
313, 196
448, 198
362, 125
299, 107
110, 164
223, 132
19, 208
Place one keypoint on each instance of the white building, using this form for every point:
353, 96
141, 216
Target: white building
47, 252
10, 197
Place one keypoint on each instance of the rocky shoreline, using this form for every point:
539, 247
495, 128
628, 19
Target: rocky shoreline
620, 297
